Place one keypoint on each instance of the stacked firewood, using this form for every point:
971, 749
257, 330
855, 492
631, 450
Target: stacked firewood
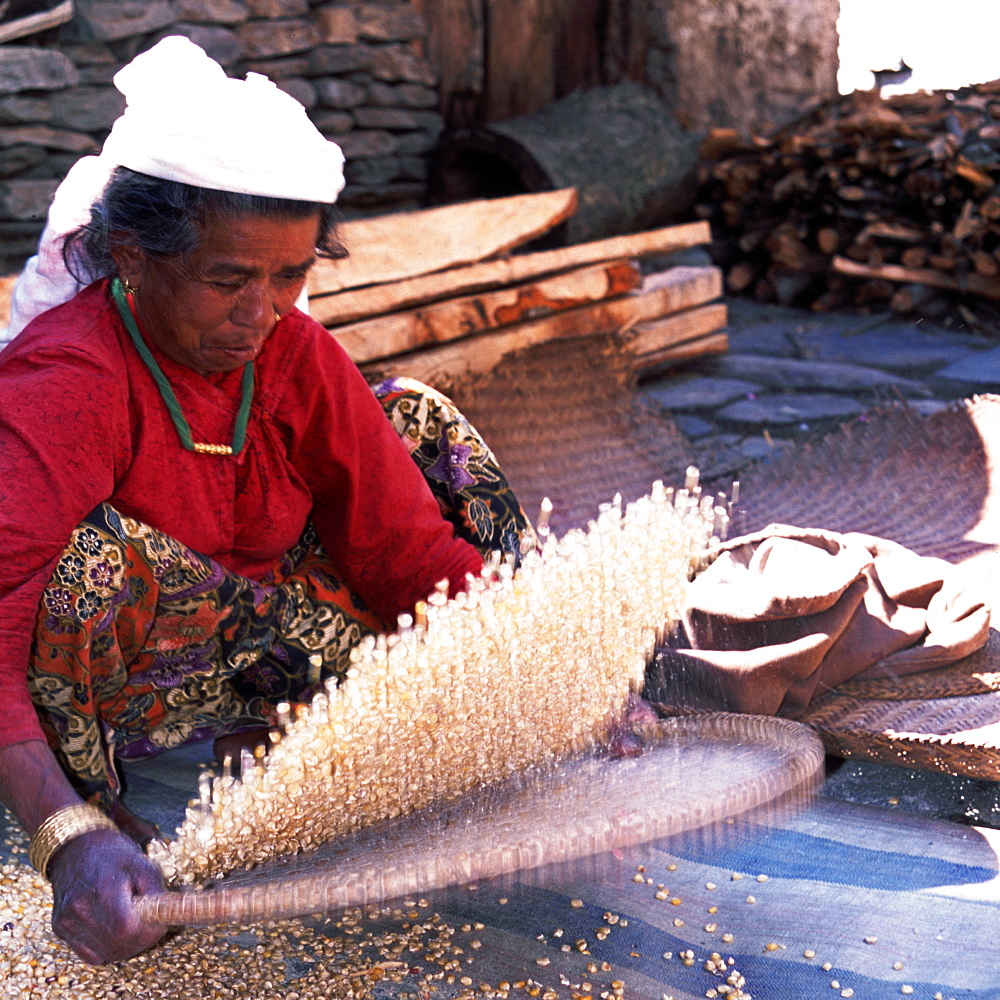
438, 295
865, 201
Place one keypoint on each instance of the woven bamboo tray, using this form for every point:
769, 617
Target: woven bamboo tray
694, 773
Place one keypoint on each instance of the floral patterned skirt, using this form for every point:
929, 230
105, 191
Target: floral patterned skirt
142, 644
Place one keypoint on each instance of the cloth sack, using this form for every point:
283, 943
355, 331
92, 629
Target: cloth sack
784, 615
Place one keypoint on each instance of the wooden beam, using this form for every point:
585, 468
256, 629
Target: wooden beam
977, 284
452, 319
360, 303
680, 290
405, 244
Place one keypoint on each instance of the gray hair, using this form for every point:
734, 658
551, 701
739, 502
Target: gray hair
163, 219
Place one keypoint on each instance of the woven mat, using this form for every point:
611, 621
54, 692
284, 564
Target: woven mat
566, 422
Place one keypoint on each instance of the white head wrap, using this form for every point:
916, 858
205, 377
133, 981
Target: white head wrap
184, 120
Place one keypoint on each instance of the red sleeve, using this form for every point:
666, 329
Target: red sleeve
56, 464
373, 510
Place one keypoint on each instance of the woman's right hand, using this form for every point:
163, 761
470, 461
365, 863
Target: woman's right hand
95, 879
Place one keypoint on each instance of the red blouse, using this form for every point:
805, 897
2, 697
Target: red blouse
82, 422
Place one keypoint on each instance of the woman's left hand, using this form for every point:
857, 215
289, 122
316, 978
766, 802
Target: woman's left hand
95, 879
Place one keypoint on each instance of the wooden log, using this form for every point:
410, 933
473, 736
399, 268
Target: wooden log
347, 306
405, 244
914, 257
621, 144
452, 319
977, 284
679, 290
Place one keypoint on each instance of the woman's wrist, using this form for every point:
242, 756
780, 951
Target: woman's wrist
60, 828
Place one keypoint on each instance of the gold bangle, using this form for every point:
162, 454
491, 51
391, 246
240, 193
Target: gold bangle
60, 828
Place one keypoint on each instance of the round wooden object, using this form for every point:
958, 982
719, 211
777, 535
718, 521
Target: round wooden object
693, 772
621, 147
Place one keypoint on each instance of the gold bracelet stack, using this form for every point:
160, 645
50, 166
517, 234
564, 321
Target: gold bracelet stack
60, 828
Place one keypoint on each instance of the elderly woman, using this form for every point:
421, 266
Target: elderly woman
202, 503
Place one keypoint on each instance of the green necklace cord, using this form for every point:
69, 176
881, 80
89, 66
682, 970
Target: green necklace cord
167, 392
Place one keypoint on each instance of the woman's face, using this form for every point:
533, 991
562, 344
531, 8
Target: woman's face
213, 310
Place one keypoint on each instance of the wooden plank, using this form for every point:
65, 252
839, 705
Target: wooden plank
716, 342
405, 244
679, 290
7, 283
649, 343
452, 319
520, 68
347, 306
978, 284
456, 46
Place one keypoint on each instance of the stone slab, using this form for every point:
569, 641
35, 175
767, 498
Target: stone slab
400, 63
113, 20
979, 368
794, 373
905, 348
212, 11
25, 68
87, 109
389, 22
339, 94
361, 145
336, 24
261, 39
693, 426
698, 393
790, 408
278, 8
26, 200
759, 449
340, 59
50, 138
220, 43
402, 95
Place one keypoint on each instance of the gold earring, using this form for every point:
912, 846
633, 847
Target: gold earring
129, 288
277, 317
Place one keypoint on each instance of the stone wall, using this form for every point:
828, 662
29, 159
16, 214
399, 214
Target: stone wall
749, 64
355, 66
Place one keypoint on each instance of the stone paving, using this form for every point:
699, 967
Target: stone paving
790, 374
